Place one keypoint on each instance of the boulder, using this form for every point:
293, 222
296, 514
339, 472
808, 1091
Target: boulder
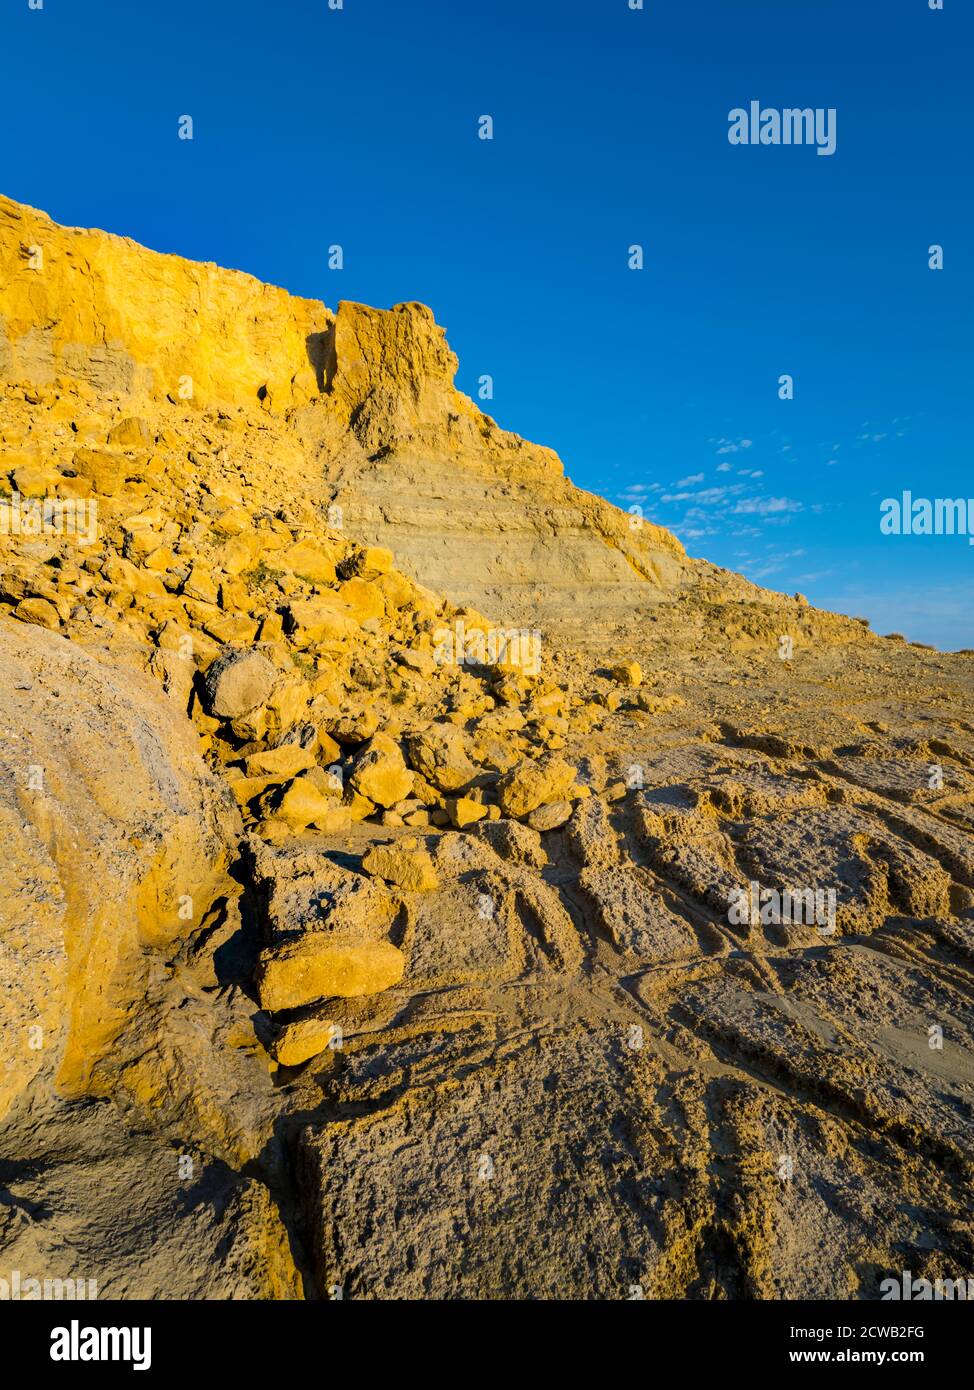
319, 965
131, 433
549, 817
439, 753
299, 1042
408, 868
534, 784
237, 683
380, 772
116, 841
628, 673
39, 611
305, 803
516, 843
464, 811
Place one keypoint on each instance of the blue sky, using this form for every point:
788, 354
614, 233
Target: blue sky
658, 387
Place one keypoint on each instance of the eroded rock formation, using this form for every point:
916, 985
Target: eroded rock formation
414, 960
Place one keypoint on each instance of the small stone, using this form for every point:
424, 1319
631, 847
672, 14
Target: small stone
299, 1042
464, 811
551, 816
629, 673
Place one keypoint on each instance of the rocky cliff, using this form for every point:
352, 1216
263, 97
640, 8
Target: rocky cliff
349, 939
411, 462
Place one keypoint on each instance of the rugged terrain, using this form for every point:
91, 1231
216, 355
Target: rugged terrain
378, 808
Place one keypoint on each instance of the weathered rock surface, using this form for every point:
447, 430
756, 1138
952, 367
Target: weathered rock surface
116, 841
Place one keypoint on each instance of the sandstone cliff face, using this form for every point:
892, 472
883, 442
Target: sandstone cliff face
102, 308
467, 507
413, 464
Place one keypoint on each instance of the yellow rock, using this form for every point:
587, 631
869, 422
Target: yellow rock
233, 522
369, 562
380, 772
303, 804
313, 562
239, 553
439, 754
335, 818
97, 869
465, 811
160, 560
628, 673
235, 628
362, 599
320, 966
318, 620
274, 830
300, 1041
328, 748
234, 596
411, 870
396, 589
245, 789
132, 433
34, 480
104, 471
282, 762
533, 784
39, 611
357, 805
121, 574
200, 584
143, 321
286, 704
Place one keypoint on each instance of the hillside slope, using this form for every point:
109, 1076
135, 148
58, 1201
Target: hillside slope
616, 940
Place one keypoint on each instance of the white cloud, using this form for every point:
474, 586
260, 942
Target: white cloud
709, 496
766, 506
731, 446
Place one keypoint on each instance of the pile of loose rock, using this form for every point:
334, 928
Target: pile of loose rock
313, 671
